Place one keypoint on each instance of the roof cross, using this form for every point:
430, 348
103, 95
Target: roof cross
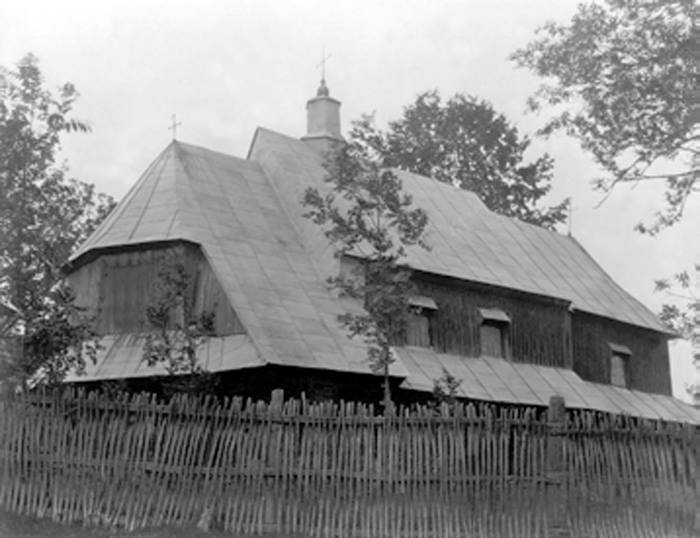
322, 63
173, 125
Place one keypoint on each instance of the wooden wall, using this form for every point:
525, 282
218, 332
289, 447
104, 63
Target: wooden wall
117, 287
258, 382
648, 369
540, 328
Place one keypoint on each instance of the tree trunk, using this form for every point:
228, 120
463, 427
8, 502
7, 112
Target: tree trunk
386, 402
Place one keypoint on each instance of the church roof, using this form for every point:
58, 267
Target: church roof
499, 380
189, 192
229, 207
467, 240
272, 264
247, 216
482, 378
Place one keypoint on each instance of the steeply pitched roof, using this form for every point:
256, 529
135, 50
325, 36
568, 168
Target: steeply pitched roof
179, 197
272, 264
229, 207
467, 240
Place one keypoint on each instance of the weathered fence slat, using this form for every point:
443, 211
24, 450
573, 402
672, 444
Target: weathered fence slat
337, 469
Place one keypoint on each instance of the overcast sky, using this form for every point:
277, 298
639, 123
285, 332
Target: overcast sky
226, 67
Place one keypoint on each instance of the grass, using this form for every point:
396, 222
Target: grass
14, 526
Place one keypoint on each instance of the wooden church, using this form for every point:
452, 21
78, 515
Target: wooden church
516, 312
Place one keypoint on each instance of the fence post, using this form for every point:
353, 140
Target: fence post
555, 470
275, 410
276, 402
274, 461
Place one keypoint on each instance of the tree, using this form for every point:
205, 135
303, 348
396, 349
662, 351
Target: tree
622, 78
445, 388
365, 208
682, 320
176, 331
682, 317
465, 142
43, 216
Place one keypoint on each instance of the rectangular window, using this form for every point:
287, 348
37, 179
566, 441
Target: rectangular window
418, 329
619, 363
421, 309
494, 333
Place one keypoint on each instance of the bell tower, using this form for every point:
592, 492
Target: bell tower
322, 119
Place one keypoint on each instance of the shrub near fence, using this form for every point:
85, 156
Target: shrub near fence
337, 469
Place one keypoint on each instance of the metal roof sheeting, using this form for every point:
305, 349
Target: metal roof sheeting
422, 301
252, 209
494, 314
228, 206
499, 380
121, 357
272, 264
467, 240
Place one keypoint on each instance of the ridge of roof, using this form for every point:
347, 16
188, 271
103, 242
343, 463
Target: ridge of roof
93, 241
228, 206
403, 173
217, 153
469, 241
172, 200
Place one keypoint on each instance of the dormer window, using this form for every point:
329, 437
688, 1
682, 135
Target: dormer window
494, 332
619, 364
421, 309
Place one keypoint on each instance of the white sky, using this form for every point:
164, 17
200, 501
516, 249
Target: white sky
226, 67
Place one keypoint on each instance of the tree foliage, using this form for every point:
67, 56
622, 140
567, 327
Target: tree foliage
445, 388
176, 331
44, 214
622, 80
464, 142
364, 210
683, 314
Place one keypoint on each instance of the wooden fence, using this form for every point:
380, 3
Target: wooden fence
338, 469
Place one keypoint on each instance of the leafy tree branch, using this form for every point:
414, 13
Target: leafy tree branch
463, 141
621, 78
176, 332
44, 215
445, 388
365, 213
683, 314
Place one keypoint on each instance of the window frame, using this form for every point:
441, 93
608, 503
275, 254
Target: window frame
623, 354
498, 319
425, 307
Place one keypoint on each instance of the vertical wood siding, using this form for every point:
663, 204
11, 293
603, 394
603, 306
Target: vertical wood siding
116, 287
648, 368
540, 330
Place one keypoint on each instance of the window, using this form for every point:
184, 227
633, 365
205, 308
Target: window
619, 362
494, 332
421, 309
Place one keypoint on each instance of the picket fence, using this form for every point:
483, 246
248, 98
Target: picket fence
294, 468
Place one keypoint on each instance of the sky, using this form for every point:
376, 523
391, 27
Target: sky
227, 67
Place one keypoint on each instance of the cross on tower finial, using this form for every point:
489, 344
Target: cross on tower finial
173, 125
322, 64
